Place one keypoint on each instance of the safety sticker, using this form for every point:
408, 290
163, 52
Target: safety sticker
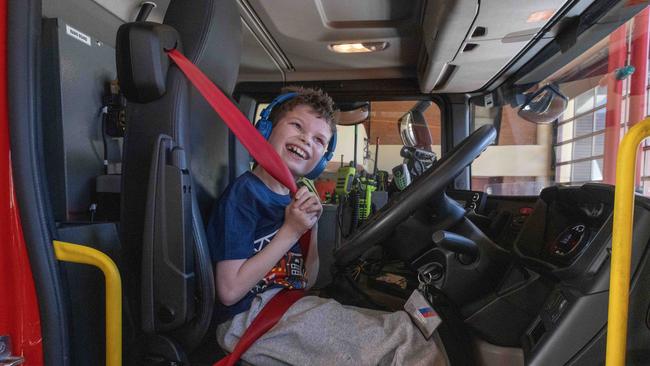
427, 312
77, 35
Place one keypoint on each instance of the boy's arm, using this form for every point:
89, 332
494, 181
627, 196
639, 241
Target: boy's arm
312, 261
236, 277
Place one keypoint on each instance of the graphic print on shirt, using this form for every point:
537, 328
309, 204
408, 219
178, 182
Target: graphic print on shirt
288, 272
260, 243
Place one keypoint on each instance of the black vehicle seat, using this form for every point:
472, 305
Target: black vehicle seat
175, 163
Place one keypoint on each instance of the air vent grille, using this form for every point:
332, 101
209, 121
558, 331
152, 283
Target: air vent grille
469, 47
479, 32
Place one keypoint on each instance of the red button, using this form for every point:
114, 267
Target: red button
526, 210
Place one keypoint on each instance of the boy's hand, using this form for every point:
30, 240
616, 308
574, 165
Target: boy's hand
310, 202
303, 211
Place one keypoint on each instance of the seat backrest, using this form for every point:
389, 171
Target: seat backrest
211, 34
175, 163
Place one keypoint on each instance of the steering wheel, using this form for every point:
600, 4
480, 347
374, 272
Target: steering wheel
432, 182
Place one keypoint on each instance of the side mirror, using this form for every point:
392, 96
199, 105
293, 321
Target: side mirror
544, 106
413, 128
350, 114
406, 131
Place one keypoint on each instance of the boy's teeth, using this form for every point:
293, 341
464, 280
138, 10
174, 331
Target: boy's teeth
296, 150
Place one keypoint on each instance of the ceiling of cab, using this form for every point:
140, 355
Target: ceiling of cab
449, 45
289, 39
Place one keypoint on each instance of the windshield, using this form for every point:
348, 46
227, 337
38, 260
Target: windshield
598, 95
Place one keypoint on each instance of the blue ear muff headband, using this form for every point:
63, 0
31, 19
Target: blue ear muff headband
265, 126
322, 163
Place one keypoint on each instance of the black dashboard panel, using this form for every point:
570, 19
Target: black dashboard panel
501, 218
564, 221
567, 240
470, 200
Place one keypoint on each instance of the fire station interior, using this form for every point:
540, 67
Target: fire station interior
433, 99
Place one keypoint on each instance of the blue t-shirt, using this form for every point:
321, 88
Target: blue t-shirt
244, 220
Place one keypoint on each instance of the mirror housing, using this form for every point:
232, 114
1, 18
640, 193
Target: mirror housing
350, 114
413, 128
544, 105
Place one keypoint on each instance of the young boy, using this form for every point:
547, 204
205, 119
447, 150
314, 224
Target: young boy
254, 230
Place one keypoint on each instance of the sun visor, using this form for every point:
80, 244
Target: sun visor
142, 63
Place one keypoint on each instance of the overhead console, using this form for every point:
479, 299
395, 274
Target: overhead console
445, 26
468, 42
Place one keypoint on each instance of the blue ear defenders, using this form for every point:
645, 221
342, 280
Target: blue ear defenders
264, 126
322, 163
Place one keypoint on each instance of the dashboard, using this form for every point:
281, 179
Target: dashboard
567, 240
551, 299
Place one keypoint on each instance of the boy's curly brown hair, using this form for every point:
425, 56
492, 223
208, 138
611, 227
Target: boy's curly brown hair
317, 99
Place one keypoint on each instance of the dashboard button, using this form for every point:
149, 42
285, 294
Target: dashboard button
526, 211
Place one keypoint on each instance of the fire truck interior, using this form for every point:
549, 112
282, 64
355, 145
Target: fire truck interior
112, 148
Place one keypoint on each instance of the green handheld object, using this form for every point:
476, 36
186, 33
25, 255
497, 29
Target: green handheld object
306, 182
344, 179
401, 176
382, 180
367, 185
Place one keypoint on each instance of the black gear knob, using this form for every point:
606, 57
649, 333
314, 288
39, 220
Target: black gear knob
466, 249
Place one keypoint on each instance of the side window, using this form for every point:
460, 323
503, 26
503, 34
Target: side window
518, 164
579, 141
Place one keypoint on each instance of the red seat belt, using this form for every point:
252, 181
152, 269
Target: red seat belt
265, 320
256, 145
269, 159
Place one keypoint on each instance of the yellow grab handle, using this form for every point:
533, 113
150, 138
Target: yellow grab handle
619, 280
82, 254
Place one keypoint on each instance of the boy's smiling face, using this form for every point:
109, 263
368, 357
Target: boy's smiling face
300, 137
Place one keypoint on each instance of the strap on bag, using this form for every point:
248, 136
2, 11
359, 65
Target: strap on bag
268, 158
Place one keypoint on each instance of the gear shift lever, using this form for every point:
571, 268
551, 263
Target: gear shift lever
466, 249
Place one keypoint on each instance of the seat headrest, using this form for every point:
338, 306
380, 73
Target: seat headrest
209, 32
141, 60
212, 37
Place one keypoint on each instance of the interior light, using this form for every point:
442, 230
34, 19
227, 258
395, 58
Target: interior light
540, 16
358, 47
